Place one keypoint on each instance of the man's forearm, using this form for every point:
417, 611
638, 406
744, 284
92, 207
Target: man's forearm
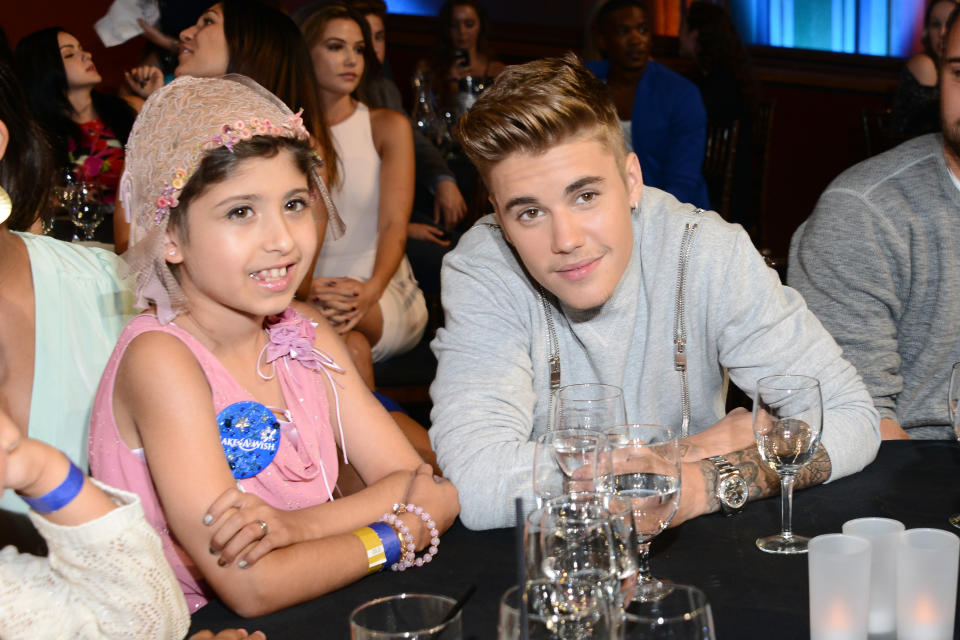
762, 481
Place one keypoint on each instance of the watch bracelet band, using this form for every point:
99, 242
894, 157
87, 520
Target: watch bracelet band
724, 469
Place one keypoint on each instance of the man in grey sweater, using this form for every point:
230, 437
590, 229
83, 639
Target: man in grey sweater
879, 263
577, 278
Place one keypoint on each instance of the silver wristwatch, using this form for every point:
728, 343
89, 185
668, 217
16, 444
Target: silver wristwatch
732, 491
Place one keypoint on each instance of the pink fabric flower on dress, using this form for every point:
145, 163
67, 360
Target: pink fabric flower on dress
292, 334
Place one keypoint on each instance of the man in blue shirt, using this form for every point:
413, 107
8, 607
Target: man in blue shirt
662, 112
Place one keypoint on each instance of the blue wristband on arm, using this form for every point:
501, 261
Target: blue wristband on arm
390, 541
61, 496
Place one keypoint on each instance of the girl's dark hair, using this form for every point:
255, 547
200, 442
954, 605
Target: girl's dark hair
925, 39
217, 165
315, 24
41, 72
719, 49
265, 44
26, 171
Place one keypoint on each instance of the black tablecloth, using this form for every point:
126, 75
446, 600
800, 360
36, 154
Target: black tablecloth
753, 594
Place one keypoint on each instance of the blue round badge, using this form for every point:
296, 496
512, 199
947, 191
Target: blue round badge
250, 436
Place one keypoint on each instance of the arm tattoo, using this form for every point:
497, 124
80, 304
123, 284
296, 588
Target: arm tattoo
763, 481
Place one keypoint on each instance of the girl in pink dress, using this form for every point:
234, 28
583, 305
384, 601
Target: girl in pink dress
221, 406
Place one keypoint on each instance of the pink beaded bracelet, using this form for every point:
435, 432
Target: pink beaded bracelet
408, 550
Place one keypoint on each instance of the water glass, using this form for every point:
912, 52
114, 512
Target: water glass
588, 406
682, 614
567, 460
412, 616
571, 611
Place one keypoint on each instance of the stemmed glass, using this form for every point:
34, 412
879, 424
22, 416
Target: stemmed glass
682, 615
787, 424
618, 512
646, 471
86, 209
571, 546
567, 460
953, 403
588, 406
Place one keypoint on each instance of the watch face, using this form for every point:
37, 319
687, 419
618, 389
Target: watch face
734, 491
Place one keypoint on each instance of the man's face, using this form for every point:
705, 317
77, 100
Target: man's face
625, 36
950, 93
567, 214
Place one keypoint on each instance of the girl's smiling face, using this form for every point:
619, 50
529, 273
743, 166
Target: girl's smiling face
249, 239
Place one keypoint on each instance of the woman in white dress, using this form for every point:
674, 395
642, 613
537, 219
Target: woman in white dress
363, 282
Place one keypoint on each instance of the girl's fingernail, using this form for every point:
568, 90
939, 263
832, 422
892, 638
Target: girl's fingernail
213, 551
221, 562
242, 564
207, 519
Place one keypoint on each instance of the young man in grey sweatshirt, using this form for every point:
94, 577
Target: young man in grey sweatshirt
583, 275
879, 263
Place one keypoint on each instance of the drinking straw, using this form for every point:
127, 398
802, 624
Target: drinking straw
521, 572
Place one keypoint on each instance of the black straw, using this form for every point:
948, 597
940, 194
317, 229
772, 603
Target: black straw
521, 573
457, 606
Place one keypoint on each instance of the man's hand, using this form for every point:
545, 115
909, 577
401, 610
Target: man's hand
426, 233
449, 207
732, 433
890, 430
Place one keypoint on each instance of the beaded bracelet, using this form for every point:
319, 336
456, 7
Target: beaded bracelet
408, 551
61, 496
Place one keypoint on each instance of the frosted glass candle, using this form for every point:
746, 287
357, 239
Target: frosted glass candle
927, 584
884, 537
839, 587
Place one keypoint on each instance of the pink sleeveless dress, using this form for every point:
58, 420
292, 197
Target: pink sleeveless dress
302, 474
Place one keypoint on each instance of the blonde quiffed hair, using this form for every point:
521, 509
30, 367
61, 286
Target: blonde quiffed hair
535, 106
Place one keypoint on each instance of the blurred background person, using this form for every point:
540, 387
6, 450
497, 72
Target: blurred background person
916, 106
661, 112
439, 207
87, 129
462, 54
364, 282
723, 73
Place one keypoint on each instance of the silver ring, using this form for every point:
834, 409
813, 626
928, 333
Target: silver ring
263, 529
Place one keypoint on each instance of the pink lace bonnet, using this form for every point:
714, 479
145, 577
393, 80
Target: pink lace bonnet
177, 124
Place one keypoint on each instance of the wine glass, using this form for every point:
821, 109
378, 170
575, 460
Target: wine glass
619, 513
683, 614
573, 549
953, 403
646, 471
588, 406
787, 424
550, 615
86, 209
566, 460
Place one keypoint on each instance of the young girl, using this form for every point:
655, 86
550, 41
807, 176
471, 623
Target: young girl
220, 381
365, 282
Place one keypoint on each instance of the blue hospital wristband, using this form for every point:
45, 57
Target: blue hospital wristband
62, 495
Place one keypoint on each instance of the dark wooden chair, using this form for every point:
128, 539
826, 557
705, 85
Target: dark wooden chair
718, 162
878, 133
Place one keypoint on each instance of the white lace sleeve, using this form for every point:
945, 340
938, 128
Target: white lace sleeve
106, 578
